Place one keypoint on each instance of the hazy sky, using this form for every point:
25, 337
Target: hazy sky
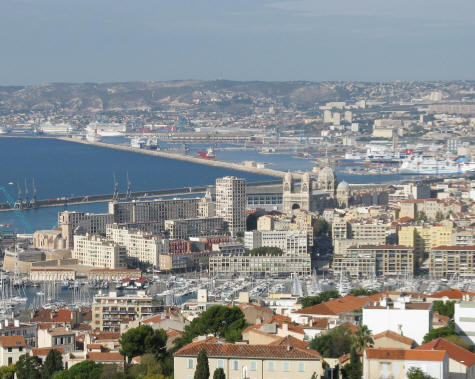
122, 40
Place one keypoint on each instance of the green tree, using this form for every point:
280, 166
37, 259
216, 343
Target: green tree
363, 338
7, 372
420, 216
323, 297
83, 370
439, 332
334, 343
265, 250
53, 363
143, 339
353, 370
362, 292
417, 373
28, 367
227, 322
439, 216
321, 227
202, 367
219, 374
444, 309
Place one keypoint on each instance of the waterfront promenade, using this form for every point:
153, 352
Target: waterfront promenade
186, 158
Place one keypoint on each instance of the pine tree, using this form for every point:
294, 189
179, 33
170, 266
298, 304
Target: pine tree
202, 367
53, 363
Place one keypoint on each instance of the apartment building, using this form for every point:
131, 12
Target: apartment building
228, 265
231, 202
291, 242
250, 361
367, 261
140, 246
112, 309
11, 348
195, 227
82, 223
97, 251
153, 210
447, 261
57, 338
430, 207
425, 237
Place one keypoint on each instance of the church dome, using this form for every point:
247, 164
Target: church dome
343, 187
326, 175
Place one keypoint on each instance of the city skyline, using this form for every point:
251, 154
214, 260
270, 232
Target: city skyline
272, 40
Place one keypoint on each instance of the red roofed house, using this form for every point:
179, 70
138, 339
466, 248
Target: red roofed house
342, 308
11, 348
449, 295
461, 361
249, 361
395, 363
392, 340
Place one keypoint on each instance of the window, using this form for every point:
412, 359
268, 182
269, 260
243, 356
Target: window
301, 367
253, 366
10, 360
235, 365
270, 366
286, 366
385, 369
9, 349
220, 363
189, 363
21, 348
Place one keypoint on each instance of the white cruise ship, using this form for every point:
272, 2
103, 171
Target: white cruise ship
109, 129
3, 130
430, 166
93, 136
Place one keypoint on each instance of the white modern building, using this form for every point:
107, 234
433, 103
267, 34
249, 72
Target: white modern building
99, 252
291, 242
231, 201
412, 320
464, 318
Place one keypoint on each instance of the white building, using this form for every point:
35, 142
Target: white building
99, 252
413, 320
80, 222
141, 246
291, 242
11, 348
231, 202
464, 318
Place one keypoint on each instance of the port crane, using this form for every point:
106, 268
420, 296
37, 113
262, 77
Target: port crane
18, 212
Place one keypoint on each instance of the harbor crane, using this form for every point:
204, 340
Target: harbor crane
18, 212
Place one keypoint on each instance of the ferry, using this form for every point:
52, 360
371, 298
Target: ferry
93, 137
209, 154
110, 129
382, 154
138, 143
3, 130
352, 156
422, 165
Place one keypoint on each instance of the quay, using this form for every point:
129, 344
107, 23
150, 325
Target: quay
252, 187
181, 157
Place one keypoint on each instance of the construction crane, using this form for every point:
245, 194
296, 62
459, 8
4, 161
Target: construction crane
116, 188
18, 212
129, 185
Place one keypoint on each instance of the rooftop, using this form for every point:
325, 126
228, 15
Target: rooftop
455, 352
409, 355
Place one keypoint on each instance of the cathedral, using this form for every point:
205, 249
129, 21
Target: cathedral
315, 194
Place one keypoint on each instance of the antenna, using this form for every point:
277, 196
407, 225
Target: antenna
116, 188
34, 191
19, 191
26, 192
129, 184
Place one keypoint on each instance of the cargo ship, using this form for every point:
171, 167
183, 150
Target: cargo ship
208, 154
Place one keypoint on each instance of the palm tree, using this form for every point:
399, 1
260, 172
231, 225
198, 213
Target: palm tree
363, 338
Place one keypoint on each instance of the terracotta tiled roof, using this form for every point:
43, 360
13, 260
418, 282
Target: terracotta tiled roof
401, 354
172, 333
455, 352
105, 357
451, 294
248, 351
336, 306
454, 248
244, 306
12, 341
291, 327
394, 336
290, 341
153, 319
45, 350
441, 318
106, 335
351, 327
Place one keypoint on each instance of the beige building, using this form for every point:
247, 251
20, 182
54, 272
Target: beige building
82, 223
63, 338
109, 311
11, 348
49, 240
395, 363
231, 201
423, 238
52, 274
447, 261
98, 252
113, 274
249, 361
367, 261
391, 340
195, 227
141, 246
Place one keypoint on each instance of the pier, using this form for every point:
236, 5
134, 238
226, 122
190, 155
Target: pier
182, 157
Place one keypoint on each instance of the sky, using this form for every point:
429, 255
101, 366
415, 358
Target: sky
315, 40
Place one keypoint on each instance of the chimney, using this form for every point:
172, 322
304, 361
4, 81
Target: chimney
16, 323
258, 320
6, 322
